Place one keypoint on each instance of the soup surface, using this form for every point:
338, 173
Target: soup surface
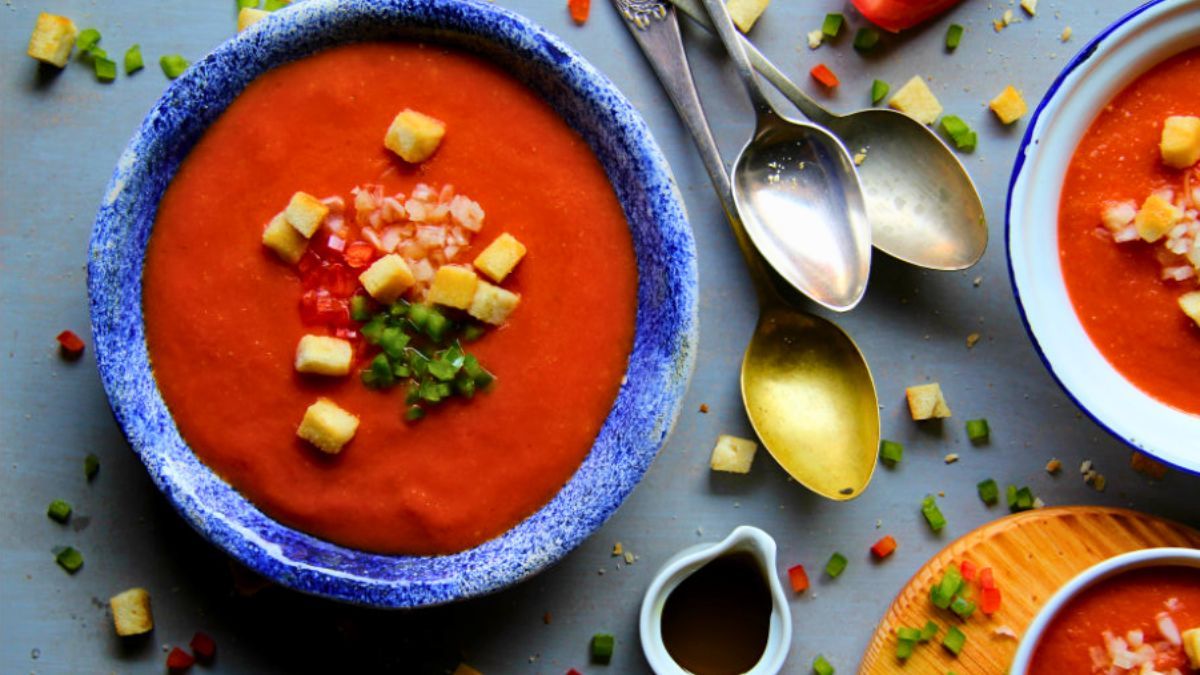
1128, 311
222, 318
1131, 601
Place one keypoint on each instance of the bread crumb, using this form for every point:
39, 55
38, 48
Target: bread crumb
972, 339
951, 458
618, 549
1144, 464
1030, 6
1066, 34
629, 558
815, 38
704, 408
1053, 466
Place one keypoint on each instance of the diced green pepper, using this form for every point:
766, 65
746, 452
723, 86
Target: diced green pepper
910, 634
954, 640
412, 395
989, 492
133, 60
962, 607
964, 139
417, 315
418, 362
247, 4
430, 392
602, 647
437, 325
272, 5
866, 39
1010, 494
904, 649
1024, 500
393, 342
399, 309
473, 332
928, 632
942, 594
173, 65
933, 515
836, 565
464, 385
360, 309
91, 466
477, 372
69, 559
381, 374
414, 413
820, 665
891, 452
86, 41
59, 511
832, 25
953, 36
977, 430
372, 330
879, 90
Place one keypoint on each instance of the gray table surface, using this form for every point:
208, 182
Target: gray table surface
59, 139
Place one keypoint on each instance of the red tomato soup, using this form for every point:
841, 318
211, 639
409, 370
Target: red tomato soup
1075, 641
223, 320
1128, 310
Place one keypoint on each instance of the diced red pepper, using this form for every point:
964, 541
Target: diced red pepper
179, 660
70, 345
359, 254
579, 10
339, 281
799, 578
884, 547
989, 600
821, 73
987, 578
319, 307
968, 570
203, 646
574, 672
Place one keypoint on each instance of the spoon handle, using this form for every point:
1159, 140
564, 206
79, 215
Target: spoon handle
723, 23
811, 109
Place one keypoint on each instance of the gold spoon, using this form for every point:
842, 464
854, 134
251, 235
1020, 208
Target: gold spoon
807, 389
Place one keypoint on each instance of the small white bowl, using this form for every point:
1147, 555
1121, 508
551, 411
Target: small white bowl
1123, 51
746, 539
1150, 557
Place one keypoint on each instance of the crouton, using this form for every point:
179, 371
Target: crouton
745, 12
464, 669
1191, 645
248, 16
1156, 217
323, 355
500, 257
284, 240
1008, 105
327, 426
492, 304
733, 454
917, 101
1030, 6
414, 136
925, 401
1190, 304
305, 213
53, 39
1180, 145
387, 278
453, 286
131, 612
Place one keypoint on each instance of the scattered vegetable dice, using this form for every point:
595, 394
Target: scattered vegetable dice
954, 641
602, 647
91, 466
799, 578
821, 73
963, 136
204, 648
953, 36
173, 65
59, 511
884, 547
865, 39
879, 91
821, 666
70, 345
579, 10
989, 492
933, 515
832, 25
891, 452
179, 660
69, 559
978, 430
836, 565
133, 60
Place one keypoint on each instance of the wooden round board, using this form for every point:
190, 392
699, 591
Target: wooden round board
1033, 554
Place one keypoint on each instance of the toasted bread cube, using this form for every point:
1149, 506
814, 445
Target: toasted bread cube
131, 612
917, 101
745, 12
453, 286
500, 257
414, 136
284, 240
1030, 6
1156, 217
305, 213
387, 278
248, 16
925, 401
327, 426
1008, 105
464, 669
1191, 645
492, 304
732, 454
1190, 304
323, 355
1180, 145
53, 39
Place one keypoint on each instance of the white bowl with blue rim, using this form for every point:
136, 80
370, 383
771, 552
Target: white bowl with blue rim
660, 363
1129, 47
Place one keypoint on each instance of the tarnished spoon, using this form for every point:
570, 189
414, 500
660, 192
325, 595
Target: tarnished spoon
807, 389
923, 207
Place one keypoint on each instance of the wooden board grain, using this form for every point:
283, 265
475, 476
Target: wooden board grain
1033, 554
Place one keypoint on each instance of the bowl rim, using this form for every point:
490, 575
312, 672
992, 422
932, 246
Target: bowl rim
1029, 143
661, 360
1101, 571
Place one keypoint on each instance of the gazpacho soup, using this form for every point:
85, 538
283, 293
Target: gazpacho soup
1129, 231
390, 298
1141, 621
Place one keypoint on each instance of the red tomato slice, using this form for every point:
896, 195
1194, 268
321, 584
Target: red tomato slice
896, 15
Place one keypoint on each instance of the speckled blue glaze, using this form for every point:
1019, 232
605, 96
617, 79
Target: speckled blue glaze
660, 365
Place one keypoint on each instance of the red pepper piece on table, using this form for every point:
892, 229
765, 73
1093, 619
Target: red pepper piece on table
70, 344
579, 10
821, 73
203, 646
884, 547
574, 672
968, 570
179, 660
989, 601
799, 578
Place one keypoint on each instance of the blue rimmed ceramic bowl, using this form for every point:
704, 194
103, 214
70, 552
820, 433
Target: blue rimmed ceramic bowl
665, 337
1129, 47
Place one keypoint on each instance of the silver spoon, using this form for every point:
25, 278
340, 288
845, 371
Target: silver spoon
807, 389
796, 191
923, 207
